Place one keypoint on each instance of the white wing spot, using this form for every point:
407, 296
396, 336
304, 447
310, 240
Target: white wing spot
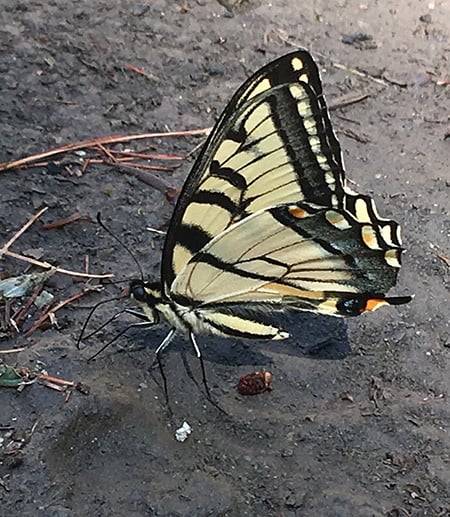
297, 64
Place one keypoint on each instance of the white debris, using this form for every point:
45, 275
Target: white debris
183, 432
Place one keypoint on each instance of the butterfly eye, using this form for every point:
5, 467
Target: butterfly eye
138, 292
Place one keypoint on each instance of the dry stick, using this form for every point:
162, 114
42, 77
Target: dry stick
146, 166
12, 350
139, 71
77, 216
56, 380
346, 100
445, 259
17, 317
365, 75
58, 306
52, 385
46, 265
194, 150
77, 146
353, 134
145, 156
339, 66
22, 230
149, 179
106, 152
124, 160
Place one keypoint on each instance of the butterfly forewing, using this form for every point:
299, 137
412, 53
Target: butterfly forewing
272, 145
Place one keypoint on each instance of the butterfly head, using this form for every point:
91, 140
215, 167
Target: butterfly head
148, 295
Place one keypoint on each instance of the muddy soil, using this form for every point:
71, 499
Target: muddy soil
357, 422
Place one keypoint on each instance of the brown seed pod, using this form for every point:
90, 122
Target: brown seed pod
255, 383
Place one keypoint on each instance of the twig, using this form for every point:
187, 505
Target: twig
68, 220
58, 306
141, 72
52, 385
47, 265
21, 313
353, 134
22, 230
365, 75
151, 156
339, 66
393, 80
194, 150
12, 350
145, 166
55, 380
347, 99
107, 153
444, 258
77, 146
143, 176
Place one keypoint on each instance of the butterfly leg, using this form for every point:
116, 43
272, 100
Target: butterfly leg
165, 342
144, 324
205, 383
199, 355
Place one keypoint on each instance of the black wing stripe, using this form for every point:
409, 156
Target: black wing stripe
228, 174
207, 197
192, 237
284, 216
296, 138
221, 265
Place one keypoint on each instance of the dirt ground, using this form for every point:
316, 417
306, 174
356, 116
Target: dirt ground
358, 420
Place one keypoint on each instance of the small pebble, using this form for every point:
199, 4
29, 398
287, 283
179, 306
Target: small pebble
356, 37
139, 9
425, 18
216, 69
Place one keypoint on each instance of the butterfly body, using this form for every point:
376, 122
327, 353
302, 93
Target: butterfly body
265, 221
218, 321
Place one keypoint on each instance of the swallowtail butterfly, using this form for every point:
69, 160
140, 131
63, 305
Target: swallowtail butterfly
265, 220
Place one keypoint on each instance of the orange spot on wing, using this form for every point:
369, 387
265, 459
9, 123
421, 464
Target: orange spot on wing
369, 237
374, 303
297, 212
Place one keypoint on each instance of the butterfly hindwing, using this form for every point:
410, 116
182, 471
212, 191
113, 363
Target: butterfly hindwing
298, 256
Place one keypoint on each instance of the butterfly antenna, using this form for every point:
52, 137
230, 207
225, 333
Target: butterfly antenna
114, 236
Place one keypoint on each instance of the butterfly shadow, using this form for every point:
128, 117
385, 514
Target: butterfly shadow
311, 335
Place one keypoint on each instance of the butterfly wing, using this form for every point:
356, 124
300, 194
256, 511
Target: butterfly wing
265, 218
272, 145
303, 256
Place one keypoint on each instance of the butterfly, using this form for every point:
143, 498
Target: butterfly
265, 221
